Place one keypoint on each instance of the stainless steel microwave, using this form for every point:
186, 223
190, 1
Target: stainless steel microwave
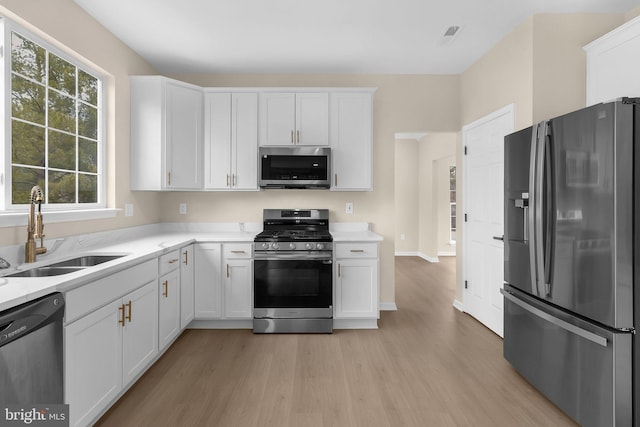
294, 167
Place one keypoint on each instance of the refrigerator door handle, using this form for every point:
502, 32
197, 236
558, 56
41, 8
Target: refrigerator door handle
538, 208
532, 211
595, 338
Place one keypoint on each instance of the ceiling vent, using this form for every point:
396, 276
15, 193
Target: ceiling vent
449, 34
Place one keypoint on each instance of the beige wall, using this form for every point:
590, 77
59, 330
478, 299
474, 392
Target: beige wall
401, 103
64, 24
422, 193
633, 13
540, 68
443, 203
406, 195
559, 62
433, 148
509, 73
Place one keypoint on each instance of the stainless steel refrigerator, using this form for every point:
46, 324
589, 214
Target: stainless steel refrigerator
571, 234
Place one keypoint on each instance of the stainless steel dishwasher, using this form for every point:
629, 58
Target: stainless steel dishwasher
31, 352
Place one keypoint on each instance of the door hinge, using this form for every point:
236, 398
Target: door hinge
465, 150
466, 284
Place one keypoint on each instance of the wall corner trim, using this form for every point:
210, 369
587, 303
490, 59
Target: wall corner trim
458, 305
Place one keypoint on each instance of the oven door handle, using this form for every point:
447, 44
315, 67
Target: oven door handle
296, 256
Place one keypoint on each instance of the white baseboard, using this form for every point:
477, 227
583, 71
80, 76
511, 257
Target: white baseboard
429, 258
418, 254
458, 305
407, 253
447, 253
388, 306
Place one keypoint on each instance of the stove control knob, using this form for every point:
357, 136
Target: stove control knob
292, 245
309, 246
320, 246
265, 245
275, 246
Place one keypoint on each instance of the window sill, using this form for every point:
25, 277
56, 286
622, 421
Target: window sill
14, 219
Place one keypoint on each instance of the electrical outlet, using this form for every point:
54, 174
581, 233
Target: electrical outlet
128, 209
349, 208
183, 208
402, 237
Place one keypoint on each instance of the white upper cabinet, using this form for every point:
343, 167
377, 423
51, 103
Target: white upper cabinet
166, 134
351, 141
291, 118
231, 141
612, 64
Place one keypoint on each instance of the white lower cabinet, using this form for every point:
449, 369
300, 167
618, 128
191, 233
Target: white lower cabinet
224, 281
169, 308
356, 290
238, 283
186, 286
208, 289
106, 350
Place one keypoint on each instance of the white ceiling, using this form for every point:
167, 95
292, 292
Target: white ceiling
321, 36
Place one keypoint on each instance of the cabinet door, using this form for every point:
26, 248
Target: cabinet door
312, 119
356, 289
183, 158
186, 286
238, 301
169, 308
208, 290
244, 136
93, 363
140, 333
217, 147
351, 141
277, 118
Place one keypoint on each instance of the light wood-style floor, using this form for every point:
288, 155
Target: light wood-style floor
427, 365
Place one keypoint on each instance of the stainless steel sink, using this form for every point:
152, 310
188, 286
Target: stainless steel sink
45, 271
86, 261
65, 267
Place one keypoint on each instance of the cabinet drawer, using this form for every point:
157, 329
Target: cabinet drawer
237, 250
356, 250
169, 262
89, 297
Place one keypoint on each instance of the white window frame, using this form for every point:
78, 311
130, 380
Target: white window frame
13, 215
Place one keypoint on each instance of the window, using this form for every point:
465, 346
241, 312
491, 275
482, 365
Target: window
452, 203
53, 134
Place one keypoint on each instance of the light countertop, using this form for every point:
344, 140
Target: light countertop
137, 245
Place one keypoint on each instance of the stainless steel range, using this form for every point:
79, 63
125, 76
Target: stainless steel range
293, 272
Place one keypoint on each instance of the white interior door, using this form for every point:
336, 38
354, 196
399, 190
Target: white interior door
483, 265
